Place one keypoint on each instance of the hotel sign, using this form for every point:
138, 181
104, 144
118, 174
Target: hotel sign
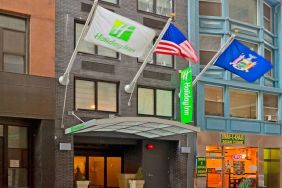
201, 169
232, 138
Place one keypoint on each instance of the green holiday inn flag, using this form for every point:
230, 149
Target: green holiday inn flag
119, 33
186, 96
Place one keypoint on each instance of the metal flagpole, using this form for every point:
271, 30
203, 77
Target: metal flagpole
212, 61
130, 87
64, 80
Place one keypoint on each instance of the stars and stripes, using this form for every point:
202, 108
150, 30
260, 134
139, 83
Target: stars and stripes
175, 43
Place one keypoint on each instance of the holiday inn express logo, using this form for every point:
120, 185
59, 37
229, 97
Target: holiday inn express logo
122, 31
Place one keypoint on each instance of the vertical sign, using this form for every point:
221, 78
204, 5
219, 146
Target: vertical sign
186, 96
201, 170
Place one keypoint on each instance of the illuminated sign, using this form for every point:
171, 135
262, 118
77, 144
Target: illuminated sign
232, 138
186, 96
201, 169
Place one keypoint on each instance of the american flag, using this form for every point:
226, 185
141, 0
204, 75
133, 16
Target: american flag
175, 43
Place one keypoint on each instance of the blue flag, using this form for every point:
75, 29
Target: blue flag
242, 61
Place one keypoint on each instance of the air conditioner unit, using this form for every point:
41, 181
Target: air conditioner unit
271, 118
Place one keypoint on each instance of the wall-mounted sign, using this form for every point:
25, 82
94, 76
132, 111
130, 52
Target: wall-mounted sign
186, 96
14, 163
201, 169
232, 138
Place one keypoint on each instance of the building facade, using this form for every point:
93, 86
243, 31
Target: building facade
240, 122
27, 93
119, 142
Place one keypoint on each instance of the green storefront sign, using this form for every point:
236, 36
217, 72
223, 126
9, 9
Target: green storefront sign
232, 138
201, 169
186, 96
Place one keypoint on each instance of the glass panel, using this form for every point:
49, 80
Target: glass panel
268, 56
106, 52
14, 63
243, 104
271, 167
145, 101
242, 10
12, 23
209, 45
210, 8
111, 1
270, 104
214, 166
14, 42
107, 96
96, 171
79, 163
17, 177
1, 130
18, 158
84, 95
164, 7
214, 101
17, 137
164, 60
267, 16
164, 103
113, 170
84, 46
146, 5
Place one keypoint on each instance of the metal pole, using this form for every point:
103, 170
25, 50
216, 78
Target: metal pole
212, 61
130, 87
64, 80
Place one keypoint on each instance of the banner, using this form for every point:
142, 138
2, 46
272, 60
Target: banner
118, 33
186, 96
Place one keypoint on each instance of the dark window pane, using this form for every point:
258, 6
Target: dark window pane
214, 101
17, 137
12, 23
14, 42
270, 104
1, 130
14, 63
244, 11
17, 177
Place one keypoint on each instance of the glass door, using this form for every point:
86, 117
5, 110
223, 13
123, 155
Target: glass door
101, 171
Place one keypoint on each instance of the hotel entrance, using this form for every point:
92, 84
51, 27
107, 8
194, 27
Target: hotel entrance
231, 166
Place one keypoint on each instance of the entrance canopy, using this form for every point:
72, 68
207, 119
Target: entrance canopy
148, 127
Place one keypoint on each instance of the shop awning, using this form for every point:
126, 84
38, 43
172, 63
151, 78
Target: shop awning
148, 127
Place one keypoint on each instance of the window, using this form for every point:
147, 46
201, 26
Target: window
209, 46
155, 102
267, 17
268, 56
252, 46
270, 107
158, 59
89, 48
210, 7
91, 95
243, 104
13, 45
214, 102
244, 11
161, 7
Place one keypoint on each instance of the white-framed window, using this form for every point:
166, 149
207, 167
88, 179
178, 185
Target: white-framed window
244, 11
210, 8
243, 103
161, 7
209, 46
270, 107
214, 100
155, 102
89, 48
96, 95
267, 17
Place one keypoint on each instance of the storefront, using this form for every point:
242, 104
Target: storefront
234, 160
106, 148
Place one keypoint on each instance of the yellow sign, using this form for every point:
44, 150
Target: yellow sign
232, 138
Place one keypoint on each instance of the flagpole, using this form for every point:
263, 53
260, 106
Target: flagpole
64, 80
130, 87
212, 61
